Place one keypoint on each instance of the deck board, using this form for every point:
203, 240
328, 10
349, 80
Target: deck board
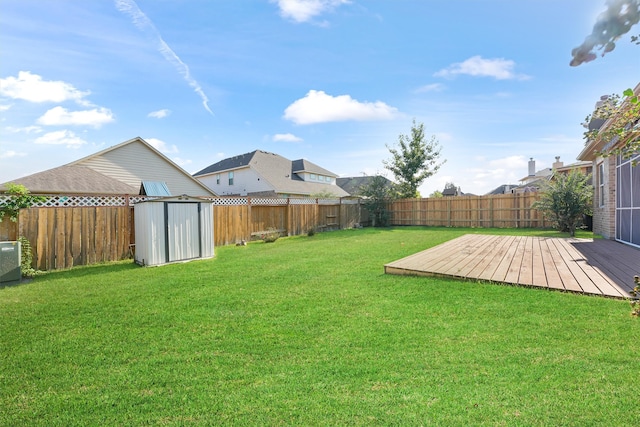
598, 267
552, 265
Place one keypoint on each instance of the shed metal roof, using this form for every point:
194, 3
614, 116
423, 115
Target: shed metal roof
154, 188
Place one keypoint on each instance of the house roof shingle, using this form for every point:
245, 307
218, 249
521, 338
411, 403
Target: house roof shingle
353, 184
278, 171
73, 179
100, 173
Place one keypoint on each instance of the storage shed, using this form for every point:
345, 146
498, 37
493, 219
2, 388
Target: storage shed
173, 229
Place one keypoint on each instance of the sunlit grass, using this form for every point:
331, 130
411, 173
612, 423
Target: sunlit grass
309, 331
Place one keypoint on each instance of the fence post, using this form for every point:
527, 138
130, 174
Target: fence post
288, 218
517, 210
249, 220
491, 210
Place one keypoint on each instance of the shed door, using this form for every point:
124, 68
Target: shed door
183, 229
628, 200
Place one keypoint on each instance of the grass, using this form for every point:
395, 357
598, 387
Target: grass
309, 331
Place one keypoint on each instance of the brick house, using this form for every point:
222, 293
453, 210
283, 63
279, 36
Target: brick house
616, 201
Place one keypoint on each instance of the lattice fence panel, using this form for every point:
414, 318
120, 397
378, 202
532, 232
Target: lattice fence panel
75, 201
268, 201
228, 201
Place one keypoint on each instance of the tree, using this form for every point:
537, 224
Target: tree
415, 160
376, 195
610, 25
618, 121
450, 186
565, 200
20, 198
436, 194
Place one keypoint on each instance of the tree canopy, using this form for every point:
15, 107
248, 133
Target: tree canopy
614, 22
20, 198
415, 160
620, 118
376, 195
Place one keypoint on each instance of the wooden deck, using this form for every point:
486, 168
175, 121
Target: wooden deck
598, 267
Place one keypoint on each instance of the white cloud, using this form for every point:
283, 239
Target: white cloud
9, 154
562, 139
31, 87
318, 107
489, 174
5, 107
28, 129
286, 137
162, 146
443, 137
434, 87
160, 114
181, 162
499, 68
305, 10
61, 137
59, 116
145, 25
511, 162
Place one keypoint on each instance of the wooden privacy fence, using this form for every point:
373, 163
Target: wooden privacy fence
67, 231
502, 211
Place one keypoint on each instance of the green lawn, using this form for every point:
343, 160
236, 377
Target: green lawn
309, 331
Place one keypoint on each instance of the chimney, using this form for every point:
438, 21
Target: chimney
557, 164
532, 167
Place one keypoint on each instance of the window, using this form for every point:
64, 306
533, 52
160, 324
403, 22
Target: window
327, 178
312, 176
218, 179
230, 178
601, 184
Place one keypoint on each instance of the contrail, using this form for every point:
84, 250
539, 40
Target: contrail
145, 25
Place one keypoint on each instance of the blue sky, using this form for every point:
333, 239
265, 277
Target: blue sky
332, 81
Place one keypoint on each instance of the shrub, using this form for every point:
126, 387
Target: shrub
20, 198
635, 293
26, 258
311, 232
565, 200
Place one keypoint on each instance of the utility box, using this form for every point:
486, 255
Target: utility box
173, 229
10, 263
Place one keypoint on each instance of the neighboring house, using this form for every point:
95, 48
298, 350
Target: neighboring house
583, 167
353, 184
263, 174
616, 208
452, 191
132, 167
502, 189
535, 179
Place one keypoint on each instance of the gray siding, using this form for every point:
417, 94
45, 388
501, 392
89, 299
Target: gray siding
135, 162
